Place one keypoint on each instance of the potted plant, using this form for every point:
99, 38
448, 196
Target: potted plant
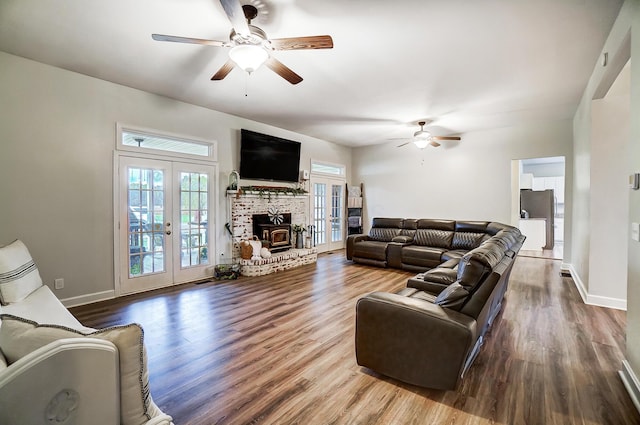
299, 229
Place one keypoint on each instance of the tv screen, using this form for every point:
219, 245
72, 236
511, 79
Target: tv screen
264, 157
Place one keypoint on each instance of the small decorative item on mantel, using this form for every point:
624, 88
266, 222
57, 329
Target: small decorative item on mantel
299, 229
234, 178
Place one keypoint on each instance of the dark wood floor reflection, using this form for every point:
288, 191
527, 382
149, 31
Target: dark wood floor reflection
279, 349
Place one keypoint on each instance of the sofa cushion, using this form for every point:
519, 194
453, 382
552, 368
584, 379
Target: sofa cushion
19, 337
455, 254
422, 255
433, 238
43, 306
442, 275
415, 293
19, 275
375, 250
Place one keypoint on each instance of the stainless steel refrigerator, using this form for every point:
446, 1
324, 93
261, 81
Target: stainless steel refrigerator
540, 204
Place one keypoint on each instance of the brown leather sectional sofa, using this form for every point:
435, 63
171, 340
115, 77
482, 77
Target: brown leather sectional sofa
429, 333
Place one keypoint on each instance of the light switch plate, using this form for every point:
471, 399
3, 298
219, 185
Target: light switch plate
635, 232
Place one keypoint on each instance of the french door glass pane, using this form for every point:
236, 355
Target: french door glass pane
146, 218
194, 226
336, 213
319, 212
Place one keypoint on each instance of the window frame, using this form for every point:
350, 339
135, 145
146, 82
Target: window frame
120, 146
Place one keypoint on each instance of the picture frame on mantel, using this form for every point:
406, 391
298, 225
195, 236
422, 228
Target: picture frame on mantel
234, 179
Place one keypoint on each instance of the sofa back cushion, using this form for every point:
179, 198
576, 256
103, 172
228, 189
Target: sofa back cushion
433, 238
468, 240
476, 264
472, 226
383, 234
453, 296
385, 229
395, 223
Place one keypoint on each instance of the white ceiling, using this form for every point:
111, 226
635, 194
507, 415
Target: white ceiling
465, 64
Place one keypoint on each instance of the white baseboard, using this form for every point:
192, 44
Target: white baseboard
88, 298
587, 298
631, 383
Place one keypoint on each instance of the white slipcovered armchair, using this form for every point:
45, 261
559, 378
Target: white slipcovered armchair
53, 370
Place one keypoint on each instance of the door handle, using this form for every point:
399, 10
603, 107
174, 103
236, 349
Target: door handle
167, 231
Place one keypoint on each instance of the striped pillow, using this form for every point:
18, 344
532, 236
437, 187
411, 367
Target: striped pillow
19, 275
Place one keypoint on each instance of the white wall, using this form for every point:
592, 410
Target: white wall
632, 10
600, 195
470, 180
587, 149
609, 201
57, 137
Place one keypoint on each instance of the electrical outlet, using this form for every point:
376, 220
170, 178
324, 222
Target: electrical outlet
59, 283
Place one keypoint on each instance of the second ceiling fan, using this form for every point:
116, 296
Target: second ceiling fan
250, 45
422, 138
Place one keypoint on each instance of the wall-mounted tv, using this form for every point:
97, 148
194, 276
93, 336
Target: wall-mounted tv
264, 157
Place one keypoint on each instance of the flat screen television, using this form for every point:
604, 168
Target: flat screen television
264, 157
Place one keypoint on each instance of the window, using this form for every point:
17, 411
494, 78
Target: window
326, 168
146, 141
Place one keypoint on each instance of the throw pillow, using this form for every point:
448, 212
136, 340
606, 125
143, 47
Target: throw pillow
19, 337
19, 275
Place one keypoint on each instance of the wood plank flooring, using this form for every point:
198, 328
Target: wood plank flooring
279, 349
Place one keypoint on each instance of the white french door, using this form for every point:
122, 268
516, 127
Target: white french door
327, 213
163, 223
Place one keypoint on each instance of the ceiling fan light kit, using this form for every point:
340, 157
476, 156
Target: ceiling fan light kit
421, 143
248, 57
250, 45
423, 138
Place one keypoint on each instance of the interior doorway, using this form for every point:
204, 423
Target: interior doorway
538, 201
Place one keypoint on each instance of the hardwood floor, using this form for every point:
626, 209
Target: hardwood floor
279, 349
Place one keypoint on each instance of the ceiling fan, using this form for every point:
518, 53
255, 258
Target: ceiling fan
250, 45
423, 138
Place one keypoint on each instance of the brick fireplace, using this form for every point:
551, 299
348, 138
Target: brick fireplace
247, 219
246, 206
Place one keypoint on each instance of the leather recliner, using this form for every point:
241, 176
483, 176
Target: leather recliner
429, 333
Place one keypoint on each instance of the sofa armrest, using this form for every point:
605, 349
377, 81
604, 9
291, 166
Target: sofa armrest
91, 391
352, 240
413, 340
403, 239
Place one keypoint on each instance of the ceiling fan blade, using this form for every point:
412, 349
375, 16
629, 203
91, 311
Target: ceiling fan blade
434, 143
224, 71
403, 144
176, 39
282, 70
445, 137
297, 43
234, 12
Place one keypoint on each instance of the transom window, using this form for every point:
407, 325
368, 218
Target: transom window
327, 168
146, 141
